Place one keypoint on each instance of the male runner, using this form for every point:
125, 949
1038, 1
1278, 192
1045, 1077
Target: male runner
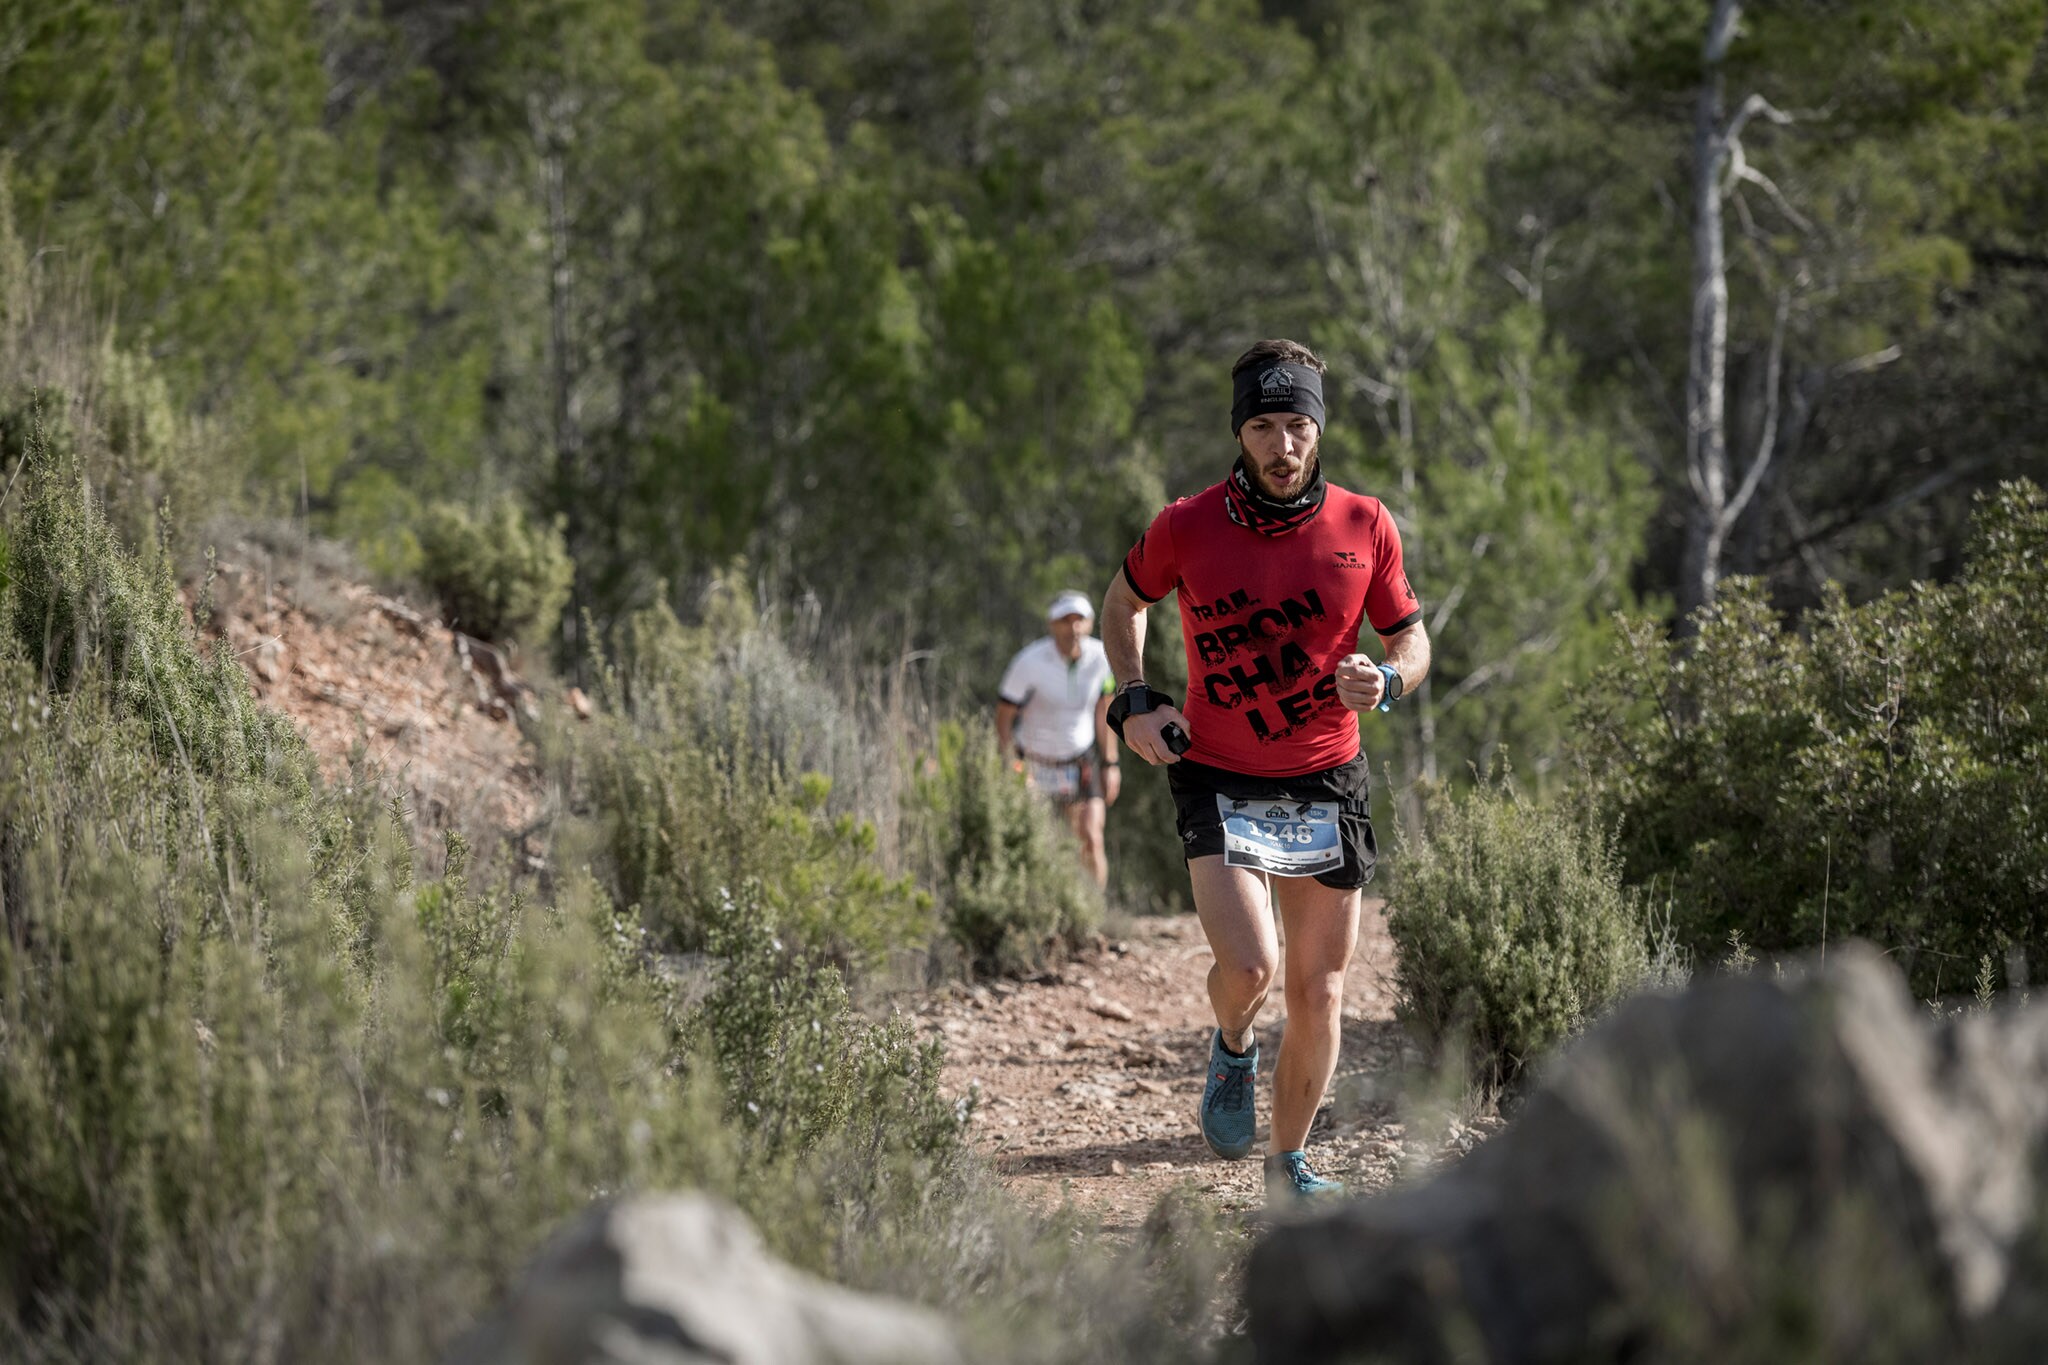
1050, 712
1276, 572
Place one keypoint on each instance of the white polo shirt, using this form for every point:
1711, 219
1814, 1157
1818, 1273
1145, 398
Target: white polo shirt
1055, 699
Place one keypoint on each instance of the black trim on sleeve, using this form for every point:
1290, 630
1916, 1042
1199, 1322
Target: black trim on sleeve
1137, 591
1410, 619
1020, 705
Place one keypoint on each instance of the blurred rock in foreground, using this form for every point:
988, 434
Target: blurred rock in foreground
683, 1279
1756, 1167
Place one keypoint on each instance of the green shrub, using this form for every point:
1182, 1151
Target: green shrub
498, 576
80, 606
1880, 774
280, 1102
688, 773
40, 416
1010, 881
796, 1062
1511, 925
123, 434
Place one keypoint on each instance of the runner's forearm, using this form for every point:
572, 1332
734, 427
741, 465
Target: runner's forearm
1407, 653
1006, 718
1123, 630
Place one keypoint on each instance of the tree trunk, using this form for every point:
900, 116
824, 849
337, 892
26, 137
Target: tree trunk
550, 134
1706, 381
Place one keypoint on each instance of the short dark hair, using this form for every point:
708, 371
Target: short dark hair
1280, 351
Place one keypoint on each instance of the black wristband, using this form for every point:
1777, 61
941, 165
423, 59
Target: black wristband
1137, 700
1134, 700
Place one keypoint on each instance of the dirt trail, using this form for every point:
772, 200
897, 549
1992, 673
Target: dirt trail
1089, 1080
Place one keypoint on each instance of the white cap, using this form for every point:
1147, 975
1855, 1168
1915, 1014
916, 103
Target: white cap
1070, 603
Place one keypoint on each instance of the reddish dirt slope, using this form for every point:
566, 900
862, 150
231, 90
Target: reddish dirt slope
363, 674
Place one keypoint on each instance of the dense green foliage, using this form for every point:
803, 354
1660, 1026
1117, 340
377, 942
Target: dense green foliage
1512, 926
1878, 773
726, 762
924, 309
498, 575
921, 309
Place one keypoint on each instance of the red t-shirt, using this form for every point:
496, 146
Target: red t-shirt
1267, 618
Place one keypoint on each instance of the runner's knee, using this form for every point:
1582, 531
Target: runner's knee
1315, 993
1249, 978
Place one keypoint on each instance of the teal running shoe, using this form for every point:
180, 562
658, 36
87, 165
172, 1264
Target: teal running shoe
1227, 1113
1289, 1181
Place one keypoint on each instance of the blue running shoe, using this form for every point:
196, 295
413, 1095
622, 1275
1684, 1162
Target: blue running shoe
1289, 1181
1227, 1109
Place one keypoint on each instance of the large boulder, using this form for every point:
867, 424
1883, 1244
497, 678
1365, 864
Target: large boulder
1814, 1157
683, 1279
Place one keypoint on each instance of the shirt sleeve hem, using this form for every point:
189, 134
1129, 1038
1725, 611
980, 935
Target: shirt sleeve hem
1410, 619
1131, 578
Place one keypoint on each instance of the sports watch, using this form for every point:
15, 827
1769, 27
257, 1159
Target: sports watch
1393, 692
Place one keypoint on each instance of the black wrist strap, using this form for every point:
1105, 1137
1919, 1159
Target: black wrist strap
1134, 700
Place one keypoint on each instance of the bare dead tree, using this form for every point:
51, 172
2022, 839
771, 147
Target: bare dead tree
1720, 168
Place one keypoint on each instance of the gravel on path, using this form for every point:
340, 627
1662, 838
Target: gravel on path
1088, 1077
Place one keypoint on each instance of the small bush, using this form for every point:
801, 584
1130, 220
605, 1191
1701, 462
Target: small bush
499, 576
1012, 885
1511, 925
81, 606
796, 1062
688, 774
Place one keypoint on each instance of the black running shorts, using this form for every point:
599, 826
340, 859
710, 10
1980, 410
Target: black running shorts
1195, 787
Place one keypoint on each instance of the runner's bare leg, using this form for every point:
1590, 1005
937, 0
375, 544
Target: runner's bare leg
1086, 819
1231, 902
1322, 930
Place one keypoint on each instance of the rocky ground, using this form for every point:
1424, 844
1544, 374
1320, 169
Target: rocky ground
1088, 1078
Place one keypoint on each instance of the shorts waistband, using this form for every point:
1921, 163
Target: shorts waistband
1030, 757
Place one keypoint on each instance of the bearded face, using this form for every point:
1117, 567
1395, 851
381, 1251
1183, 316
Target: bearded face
1281, 453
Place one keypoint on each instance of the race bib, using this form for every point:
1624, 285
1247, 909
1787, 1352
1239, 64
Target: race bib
1285, 838
1060, 781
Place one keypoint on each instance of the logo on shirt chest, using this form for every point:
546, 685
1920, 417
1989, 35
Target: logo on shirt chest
1347, 560
1236, 602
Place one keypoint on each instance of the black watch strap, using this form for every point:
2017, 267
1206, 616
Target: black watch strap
1134, 699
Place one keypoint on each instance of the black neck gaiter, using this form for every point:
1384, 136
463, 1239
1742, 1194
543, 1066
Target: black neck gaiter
1250, 508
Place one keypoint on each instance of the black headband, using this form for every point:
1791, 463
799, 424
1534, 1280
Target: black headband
1280, 387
